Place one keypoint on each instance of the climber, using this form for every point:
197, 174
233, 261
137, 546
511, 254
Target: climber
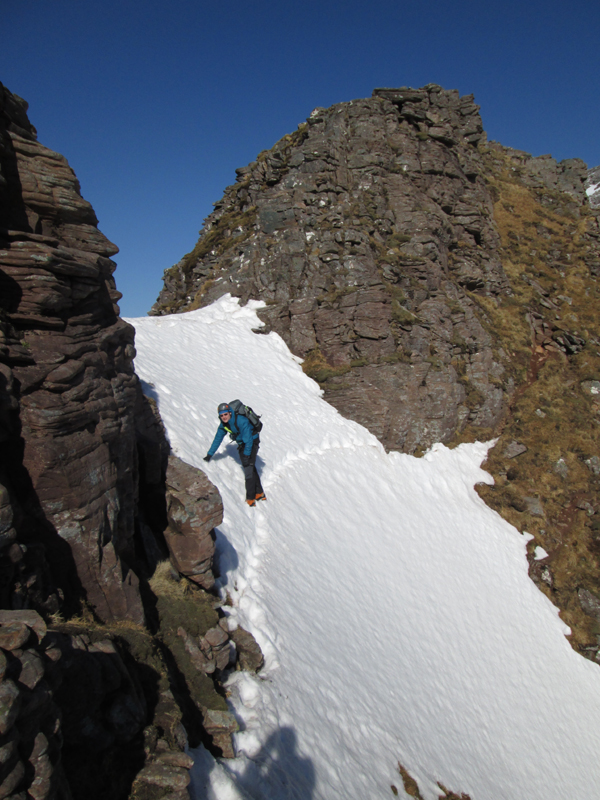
241, 431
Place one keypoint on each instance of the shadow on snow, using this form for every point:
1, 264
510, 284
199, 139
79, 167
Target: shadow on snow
277, 772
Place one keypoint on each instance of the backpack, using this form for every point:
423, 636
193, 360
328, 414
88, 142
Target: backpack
239, 408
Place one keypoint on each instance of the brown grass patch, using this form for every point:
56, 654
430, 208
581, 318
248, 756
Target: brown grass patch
412, 789
543, 249
316, 366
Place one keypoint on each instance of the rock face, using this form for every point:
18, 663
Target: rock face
83, 445
364, 231
370, 233
70, 356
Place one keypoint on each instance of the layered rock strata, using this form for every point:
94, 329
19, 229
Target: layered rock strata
364, 232
71, 358
370, 233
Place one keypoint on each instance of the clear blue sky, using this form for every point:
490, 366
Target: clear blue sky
156, 102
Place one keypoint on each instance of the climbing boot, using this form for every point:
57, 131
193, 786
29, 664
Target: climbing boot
251, 502
261, 496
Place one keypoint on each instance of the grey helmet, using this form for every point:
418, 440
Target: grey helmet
224, 408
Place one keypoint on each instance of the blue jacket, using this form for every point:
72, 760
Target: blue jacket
241, 430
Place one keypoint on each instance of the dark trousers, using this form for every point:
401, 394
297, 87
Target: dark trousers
253, 484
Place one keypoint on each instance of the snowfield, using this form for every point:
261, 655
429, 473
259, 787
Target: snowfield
393, 607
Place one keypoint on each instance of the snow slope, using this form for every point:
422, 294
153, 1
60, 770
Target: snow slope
393, 607
592, 186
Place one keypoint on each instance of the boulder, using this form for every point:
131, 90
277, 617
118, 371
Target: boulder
590, 603
220, 725
250, 655
165, 776
10, 705
13, 635
534, 506
514, 449
194, 508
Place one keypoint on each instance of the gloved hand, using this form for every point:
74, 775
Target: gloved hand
245, 459
207, 458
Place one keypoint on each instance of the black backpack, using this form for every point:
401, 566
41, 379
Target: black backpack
239, 408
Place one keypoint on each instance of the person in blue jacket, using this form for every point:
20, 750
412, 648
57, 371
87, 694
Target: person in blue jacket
241, 431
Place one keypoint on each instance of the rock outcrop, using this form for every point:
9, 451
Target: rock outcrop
370, 232
194, 508
30, 720
71, 357
364, 231
73, 712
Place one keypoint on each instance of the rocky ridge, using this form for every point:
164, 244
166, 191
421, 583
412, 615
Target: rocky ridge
112, 648
440, 287
365, 232
362, 231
